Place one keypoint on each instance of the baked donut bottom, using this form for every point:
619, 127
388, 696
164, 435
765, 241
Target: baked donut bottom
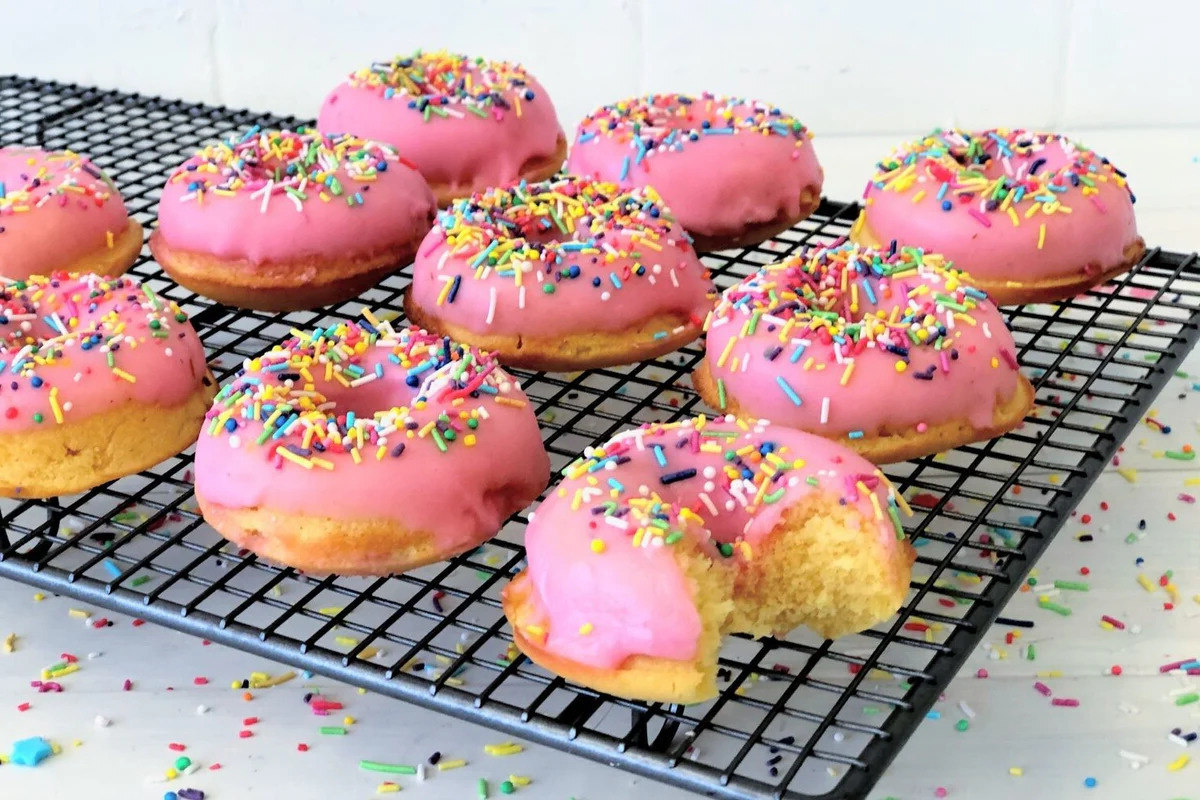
279, 285
570, 351
819, 568
363, 546
1064, 285
111, 261
749, 235
538, 168
55, 459
887, 447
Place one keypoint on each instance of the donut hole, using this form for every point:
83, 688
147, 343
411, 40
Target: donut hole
366, 399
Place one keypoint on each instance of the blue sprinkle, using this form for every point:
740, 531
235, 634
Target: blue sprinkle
855, 434
659, 456
788, 390
112, 568
625, 168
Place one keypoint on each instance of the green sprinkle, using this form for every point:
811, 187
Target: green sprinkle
1030, 653
726, 549
333, 730
139, 580
37, 416
1131, 538
483, 789
721, 394
507, 787
1075, 586
961, 725
395, 769
548, 288
812, 480
1032, 581
182, 763
1180, 455
1055, 607
673, 537
1187, 699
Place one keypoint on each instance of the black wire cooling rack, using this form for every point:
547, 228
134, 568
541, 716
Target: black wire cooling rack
796, 718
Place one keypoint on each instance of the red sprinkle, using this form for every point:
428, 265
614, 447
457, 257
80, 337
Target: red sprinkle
67, 657
245, 734
1116, 623
177, 747
1084, 571
250, 720
137, 623
24, 707
1116, 669
302, 747
200, 681
1085, 519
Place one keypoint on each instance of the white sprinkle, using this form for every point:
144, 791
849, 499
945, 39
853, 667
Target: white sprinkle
1138, 757
491, 305
201, 709
521, 297
987, 332
102, 722
824, 410
420, 773
442, 260
708, 503
674, 278
966, 709
93, 656
1179, 740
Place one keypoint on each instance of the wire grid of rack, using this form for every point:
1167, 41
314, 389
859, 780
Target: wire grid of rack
797, 717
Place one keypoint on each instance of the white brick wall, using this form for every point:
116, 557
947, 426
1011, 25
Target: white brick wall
873, 66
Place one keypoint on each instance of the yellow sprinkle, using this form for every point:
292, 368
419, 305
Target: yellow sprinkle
919, 196
847, 373
1016, 772
348, 720
345, 641
1128, 473
295, 459
520, 780
1041, 235
598, 545
10, 643
79, 613
1179, 763
505, 749
38, 597
1145, 582
586, 628
444, 293
387, 788
1050, 673
452, 764
329, 611
725, 353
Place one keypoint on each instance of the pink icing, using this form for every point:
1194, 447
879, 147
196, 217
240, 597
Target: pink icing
975, 369
461, 149
611, 251
716, 184
448, 494
55, 209
600, 608
214, 204
987, 244
75, 372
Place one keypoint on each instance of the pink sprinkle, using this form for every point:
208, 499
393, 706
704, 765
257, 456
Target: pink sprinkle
127, 685
1173, 665
250, 721
200, 681
1065, 701
215, 767
67, 657
940, 791
979, 217
1116, 623
945, 359
866, 190
1042, 688
1096, 202
24, 707
1009, 358
1187, 498
981, 673
177, 747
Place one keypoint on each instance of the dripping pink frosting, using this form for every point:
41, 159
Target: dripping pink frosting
55, 209
753, 171
453, 494
600, 608
638, 235
91, 318
976, 369
903, 203
477, 144
225, 202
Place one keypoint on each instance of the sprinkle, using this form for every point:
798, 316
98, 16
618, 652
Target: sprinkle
378, 766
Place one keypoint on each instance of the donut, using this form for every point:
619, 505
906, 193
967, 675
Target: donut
561, 275
285, 220
661, 540
890, 353
101, 378
735, 171
365, 450
1030, 216
60, 213
466, 123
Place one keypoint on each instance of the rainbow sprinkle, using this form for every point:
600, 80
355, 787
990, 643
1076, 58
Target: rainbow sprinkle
288, 398
54, 181
668, 122
439, 85
302, 166
569, 228
999, 176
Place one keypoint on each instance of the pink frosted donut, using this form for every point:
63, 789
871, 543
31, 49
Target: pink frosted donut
59, 212
101, 378
890, 354
465, 122
734, 171
283, 220
564, 274
664, 538
1030, 216
361, 449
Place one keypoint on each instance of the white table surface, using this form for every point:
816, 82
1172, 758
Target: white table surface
1056, 748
